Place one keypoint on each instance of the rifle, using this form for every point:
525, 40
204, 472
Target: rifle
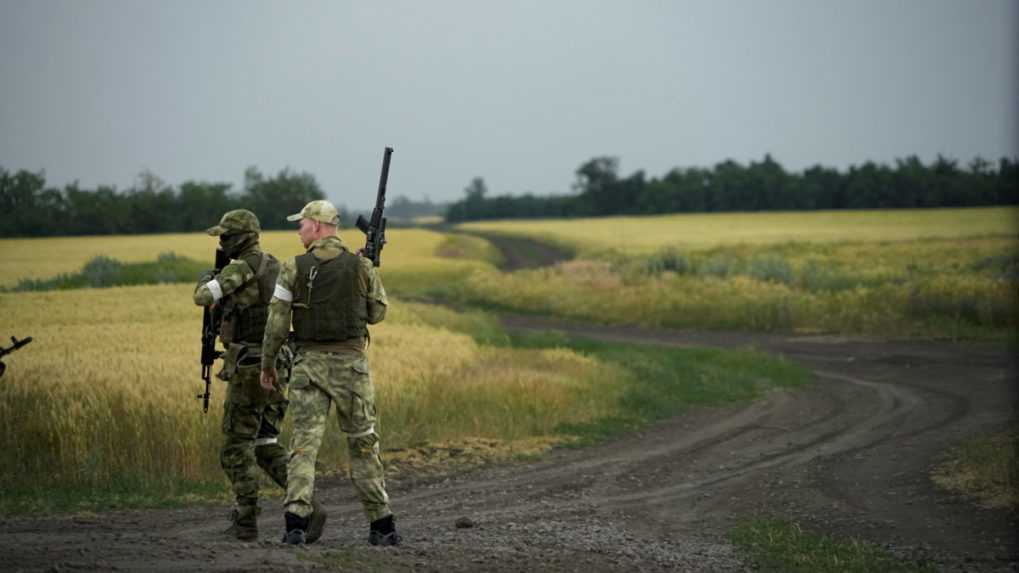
211, 319
375, 229
15, 344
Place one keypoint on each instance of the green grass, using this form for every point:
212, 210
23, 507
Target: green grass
659, 382
952, 289
776, 545
985, 468
457, 246
102, 271
124, 493
936, 273
662, 382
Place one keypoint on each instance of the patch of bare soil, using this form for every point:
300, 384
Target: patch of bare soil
523, 253
849, 456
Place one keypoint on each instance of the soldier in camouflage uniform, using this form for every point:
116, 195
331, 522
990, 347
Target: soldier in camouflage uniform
333, 295
251, 416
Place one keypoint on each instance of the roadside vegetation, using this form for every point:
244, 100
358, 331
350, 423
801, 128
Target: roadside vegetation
984, 468
775, 545
411, 255
938, 273
101, 412
102, 271
643, 236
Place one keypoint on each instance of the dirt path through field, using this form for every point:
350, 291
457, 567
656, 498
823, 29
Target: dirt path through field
850, 456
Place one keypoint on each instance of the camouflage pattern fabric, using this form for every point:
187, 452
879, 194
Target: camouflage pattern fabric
229, 280
320, 210
320, 379
252, 419
236, 221
278, 324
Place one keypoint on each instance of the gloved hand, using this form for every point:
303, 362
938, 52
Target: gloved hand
206, 277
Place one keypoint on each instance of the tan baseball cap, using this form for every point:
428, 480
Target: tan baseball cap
238, 220
320, 210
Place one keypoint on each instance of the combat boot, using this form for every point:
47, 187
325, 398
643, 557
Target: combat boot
297, 528
244, 523
383, 532
316, 522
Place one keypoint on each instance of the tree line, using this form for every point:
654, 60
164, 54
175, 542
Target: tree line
758, 186
31, 208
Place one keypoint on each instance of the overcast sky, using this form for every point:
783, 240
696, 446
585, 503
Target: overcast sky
518, 92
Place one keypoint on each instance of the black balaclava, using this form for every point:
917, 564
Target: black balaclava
234, 243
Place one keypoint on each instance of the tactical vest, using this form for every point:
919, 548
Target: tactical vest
330, 299
246, 323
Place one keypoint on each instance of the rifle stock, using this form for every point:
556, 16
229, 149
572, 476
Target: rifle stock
15, 344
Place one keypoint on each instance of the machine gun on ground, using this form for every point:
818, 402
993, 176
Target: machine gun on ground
211, 319
375, 228
15, 344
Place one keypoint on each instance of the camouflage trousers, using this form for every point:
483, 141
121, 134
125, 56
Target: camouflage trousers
251, 423
319, 380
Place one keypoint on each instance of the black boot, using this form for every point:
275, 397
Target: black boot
244, 523
297, 527
383, 532
316, 522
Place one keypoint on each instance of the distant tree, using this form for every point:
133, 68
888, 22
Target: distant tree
403, 207
476, 189
821, 188
597, 181
150, 206
202, 204
19, 202
273, 198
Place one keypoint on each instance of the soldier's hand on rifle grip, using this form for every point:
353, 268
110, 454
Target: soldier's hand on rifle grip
269, 379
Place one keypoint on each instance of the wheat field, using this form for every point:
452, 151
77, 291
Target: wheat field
645, 234
408, 251
107, 388
944, 273
106, 392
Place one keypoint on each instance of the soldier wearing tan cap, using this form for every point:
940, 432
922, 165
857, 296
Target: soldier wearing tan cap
331, 295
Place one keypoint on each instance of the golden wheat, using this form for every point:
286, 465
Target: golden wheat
106, 391
641, 235
407, 251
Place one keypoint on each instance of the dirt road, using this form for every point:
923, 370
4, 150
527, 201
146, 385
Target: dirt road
849, 455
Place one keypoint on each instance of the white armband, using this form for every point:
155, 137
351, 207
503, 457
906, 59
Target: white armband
282, 293
215, 289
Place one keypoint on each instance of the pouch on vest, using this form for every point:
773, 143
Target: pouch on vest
330, 298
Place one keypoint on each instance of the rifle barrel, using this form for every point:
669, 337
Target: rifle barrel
380, 199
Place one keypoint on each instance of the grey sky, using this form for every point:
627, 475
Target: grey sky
517, 92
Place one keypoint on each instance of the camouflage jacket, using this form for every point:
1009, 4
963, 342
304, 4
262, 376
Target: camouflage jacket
278, 325
227, 281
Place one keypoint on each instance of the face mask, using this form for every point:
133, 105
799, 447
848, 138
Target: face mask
235, 243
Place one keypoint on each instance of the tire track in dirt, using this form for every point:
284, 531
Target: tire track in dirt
915, 399
849, 456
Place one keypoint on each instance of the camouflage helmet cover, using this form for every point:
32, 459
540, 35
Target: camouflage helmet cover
236, 221
320, 210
